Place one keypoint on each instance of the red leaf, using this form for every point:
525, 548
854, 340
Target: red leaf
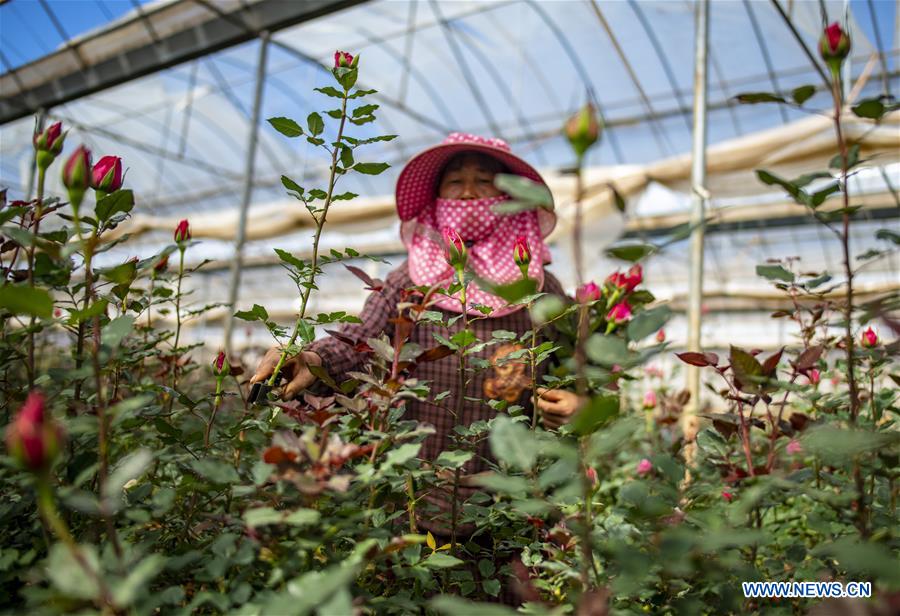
434, 354
694, 359
771, 363
372, 284
277, 455
809, 357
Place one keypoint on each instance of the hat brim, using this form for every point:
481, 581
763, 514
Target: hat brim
417, 184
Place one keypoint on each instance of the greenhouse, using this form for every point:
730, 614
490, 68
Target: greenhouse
450, 307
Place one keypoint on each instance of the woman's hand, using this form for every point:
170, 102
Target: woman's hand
295, 369
557, 406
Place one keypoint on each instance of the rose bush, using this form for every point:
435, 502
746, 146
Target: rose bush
173, 492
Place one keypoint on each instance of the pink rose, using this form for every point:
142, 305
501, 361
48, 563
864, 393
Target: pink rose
342, 59
644, 467
869, 338
661, 336
588, 292
793, 447
456, 252
650, 400
619, 313
521, 252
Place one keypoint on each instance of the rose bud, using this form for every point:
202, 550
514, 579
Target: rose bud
582, 129
869, 338
650, 400
728, 496
616, 280
107, 174
634, 277
588, 292
522, 255
793, 447
220, 365
31, 439
182, 231
48, 144
834, 46
456, 252
644, 467
342, 59
76, 175
161, 265
619, 313
814, 377
661, 336
591, 473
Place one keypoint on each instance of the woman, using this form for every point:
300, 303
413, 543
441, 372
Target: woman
452, 185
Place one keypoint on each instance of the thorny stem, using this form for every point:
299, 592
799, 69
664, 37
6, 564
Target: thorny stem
212, 418
460, 402
320, 224
38, 211
848, 307
587, 553
177, 323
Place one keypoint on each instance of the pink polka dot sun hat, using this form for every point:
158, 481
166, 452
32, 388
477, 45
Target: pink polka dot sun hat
418, 181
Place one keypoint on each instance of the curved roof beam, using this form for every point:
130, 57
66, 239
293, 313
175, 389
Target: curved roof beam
582, 72
767, 60
662, 139
667, 68
464, 67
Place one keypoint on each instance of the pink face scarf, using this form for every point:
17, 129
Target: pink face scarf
490, 239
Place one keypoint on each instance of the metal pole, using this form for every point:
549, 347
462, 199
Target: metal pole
699, 196
237, 263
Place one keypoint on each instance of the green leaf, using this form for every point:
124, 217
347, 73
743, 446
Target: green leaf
116, 330
818, 198
401, 455
120, 274
486, 567
456, 606
745, 366
453, 459
861, 559
347, 157
803, 94
607, 350
138, 579
631, 252
852, 158
119, 201
839, 444
870, 108
512, 292
547, 308
364, 110
439, 560
888, 235
68, 574
370, 168
752, 98
597, 412
523, 189
19, 299
315, 124
129, 468
774, 272
491, 587
216, 471
286, 126
513, 443
257, 313
292, 185
263, 516
648, 322
330, 91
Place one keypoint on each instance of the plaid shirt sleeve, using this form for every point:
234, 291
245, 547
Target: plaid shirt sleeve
339, 357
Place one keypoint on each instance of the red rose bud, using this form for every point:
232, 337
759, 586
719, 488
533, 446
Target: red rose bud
220, 365
182, 231
634, 277
661, 336
582, 129
76, 174
161, 265
48, 144
32, 440
522, 255
728, 496
342, 59
107, 174
834, 46
619, 313
456, 252
617, 280
650, 400
814, 377
591, 473
869, 338
588, 292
